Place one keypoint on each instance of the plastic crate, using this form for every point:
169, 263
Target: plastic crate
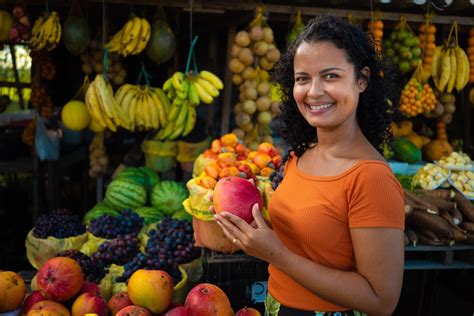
241, 277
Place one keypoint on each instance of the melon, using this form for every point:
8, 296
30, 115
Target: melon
76, 34
124, 193
75, 115
162, 42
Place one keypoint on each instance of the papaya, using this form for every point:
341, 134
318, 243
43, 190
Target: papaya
162, 42
404, 150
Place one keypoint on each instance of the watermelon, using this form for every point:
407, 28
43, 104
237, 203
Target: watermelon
168, 196
150, 215
143, 175
99, 209
151, 178
125, 193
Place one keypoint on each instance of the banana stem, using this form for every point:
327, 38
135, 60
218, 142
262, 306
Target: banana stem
453, 27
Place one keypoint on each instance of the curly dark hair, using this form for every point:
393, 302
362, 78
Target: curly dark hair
374, 111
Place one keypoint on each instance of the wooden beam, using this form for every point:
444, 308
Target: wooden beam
220, 7
11, 84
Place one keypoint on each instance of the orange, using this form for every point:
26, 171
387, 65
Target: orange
378, 33
378, 25
431, 29
471, 41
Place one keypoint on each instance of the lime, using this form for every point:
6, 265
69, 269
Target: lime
389, 52
394, 36
387, 43
416, 51
404, 66
416, 42
396, 45
402, 35
408, 41
407, 55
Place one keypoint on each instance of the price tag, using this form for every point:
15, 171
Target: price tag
259, 291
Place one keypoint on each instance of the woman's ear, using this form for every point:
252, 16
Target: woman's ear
363, 81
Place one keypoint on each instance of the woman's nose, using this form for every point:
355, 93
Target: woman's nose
316, 89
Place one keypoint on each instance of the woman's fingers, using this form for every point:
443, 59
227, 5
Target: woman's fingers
229, 228
257, 216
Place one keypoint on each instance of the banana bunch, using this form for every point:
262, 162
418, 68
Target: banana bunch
103, 107
181, 120
132, 37
450, 68
145, 106
203, 87
46, 32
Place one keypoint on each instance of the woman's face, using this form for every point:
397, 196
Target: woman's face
326, 89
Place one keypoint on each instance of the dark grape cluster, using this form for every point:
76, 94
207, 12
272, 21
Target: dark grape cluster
171, 244
107, 226
92, 271
150, 262
60, 223
277, 176
119, 250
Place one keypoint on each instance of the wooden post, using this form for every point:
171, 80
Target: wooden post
226, 106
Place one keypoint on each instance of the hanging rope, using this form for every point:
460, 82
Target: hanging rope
106, 51
190, 54
143, 74
47, 7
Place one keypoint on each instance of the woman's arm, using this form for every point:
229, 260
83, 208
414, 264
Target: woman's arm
373, 289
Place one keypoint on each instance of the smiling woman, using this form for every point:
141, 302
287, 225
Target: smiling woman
336, 242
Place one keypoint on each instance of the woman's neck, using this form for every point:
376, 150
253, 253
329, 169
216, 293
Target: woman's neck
341, 141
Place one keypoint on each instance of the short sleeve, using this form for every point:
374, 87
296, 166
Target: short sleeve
376, 198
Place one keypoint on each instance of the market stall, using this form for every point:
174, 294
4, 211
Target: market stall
131, 120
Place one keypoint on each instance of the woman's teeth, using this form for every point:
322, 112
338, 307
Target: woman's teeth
320, 107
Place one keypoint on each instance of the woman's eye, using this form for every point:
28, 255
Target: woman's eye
301, 79
331, 76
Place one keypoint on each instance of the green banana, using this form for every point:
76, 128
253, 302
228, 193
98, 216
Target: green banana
190, 121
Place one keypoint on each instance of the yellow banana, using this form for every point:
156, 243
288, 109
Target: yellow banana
165, 102
145, 33
168, 85
193, 96
160, 110
115, 43
132, 29
93, 106
203, 95
445, 70
180, 121
101, 90
436, 64
153, 110
453, 72
462, 63
122, 92
37, 25
177, 80
174, 112
149, 112
110, 124
183, 92
208, 87
167, 131
126, 100
212, 78
190, 121
132, 110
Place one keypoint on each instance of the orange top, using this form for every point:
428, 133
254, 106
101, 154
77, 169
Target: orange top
312, 216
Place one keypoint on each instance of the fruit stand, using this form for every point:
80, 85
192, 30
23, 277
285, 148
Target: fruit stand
130, 120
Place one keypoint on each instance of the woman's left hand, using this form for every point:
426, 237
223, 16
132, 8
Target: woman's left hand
255, 240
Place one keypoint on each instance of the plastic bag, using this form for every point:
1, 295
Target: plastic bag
188, 152
180, 290
199, 201
160, 156
92, 244
46, 141
194, 271
200, 163
209, 234
39, 250
107, 283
